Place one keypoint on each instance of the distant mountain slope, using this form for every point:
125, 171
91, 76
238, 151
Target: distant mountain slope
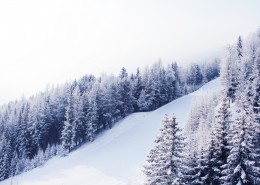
116, 157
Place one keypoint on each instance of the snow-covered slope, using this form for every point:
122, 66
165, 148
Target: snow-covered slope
116, 157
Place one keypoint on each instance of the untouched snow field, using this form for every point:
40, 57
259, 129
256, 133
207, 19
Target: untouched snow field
117, 156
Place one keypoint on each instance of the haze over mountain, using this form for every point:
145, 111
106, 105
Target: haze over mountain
53, 41
117, 72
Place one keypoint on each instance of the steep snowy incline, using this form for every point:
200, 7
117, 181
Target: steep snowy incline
117, 156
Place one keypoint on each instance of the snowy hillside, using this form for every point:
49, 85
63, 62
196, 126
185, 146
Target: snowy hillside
116, 157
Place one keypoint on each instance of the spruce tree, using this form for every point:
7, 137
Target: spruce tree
137, 86
189, 168
142, 102
202, 168
125, 94
67, 132
220, 138
242, 163
239, 47
230, 73
78, 116
256, 88
165, 160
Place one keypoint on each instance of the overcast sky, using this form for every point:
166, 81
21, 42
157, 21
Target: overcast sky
51, 41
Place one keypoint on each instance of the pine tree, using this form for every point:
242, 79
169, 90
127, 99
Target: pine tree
125, 94
92, 122
214, 162
164, 92
189, 170
91, 116
137, 86
195, 76
142, 102
67, 132
172, 82
230, 72
78, 117
43, 122
3, 169
242, 166
239, 47
109, 103
256, 88
26, 133
203, 134
165, 160
219, 147
256, 104
31, 142
202, 168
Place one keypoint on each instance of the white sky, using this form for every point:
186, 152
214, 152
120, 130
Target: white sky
51, 41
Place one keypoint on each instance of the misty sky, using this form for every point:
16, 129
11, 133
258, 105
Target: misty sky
51, 41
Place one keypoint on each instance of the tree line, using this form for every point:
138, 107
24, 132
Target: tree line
222, 135
63, 117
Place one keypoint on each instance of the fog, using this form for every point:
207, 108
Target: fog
51, 41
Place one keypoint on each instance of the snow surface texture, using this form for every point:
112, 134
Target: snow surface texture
117, 156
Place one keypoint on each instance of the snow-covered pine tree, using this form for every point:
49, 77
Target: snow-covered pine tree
214, 162
242, 163
92, 115
3, 169
239, 47
106, 101
78, 129
137, 86
190, 160
193, 118
43, 122
150, 92
189, 164
31, 141
172, 82
177, 85
229, 72
195, 77
203, 132
164, 162
219, 147
125, 94
67, 134
210, 70
202, 168
164, 91
256, 86
191, 137
142, 103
